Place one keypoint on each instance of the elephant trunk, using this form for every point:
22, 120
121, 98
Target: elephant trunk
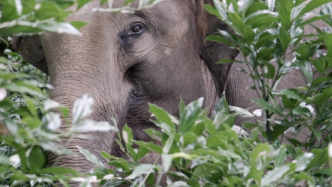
75, 74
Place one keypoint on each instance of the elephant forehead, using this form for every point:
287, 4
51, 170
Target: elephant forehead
173, 16
168, 10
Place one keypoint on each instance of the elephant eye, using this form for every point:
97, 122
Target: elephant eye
136, 29
128, 37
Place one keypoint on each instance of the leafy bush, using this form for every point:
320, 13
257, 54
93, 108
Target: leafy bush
194, 150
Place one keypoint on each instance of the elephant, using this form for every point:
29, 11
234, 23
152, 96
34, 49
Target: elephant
125, 61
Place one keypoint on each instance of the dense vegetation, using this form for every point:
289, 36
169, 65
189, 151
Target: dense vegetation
196, 150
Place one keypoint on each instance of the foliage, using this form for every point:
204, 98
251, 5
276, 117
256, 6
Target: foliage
194, 150
271, 32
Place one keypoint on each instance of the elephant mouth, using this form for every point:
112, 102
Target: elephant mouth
138, 117
16, 42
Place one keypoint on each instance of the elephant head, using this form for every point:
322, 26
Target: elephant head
125, 61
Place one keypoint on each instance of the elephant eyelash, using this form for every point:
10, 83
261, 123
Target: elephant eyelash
136, 29
129, 36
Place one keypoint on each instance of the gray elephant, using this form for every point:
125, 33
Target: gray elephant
125, 61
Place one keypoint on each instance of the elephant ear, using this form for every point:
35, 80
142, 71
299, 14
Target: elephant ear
30, 48
212, 52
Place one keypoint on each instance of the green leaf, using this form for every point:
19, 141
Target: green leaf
55, 148
127, 136
241, 112
248, 125
33, 123
265, 105
54, 121
292, 94
303, 176
301, 111
228, 154
254, 7
50, 104
59, 171
248, 34
198, 129
121, 163
269, 71
142, 151
228, 35
90, 157
167, 161
80, 3
280, 158
219, 39
36, 159
284, 38
284, 9
163, 117
274, 175
303, 161
324, 171
215, 141
4, 160
201, 171
153, 133
24, 163
141, 169
278, 130
221, 112
82, 108
318, 134
24, 88
90, 125
31, 106
64, 183
150, 180
266, 36
210, 127
320, 158
107, 156
212, 10
223, 61
190, 115
189, 138
312, 5
128, 1
169, 144
260, 18
321, 64
78, 24
182, 106
102, 2
59, 28
259, 152
327, 39
237, 23
271, 4
150, 146
11, 12
221, 10
321, 98
49, 10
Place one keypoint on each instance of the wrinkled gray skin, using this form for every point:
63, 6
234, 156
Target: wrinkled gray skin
124, 69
